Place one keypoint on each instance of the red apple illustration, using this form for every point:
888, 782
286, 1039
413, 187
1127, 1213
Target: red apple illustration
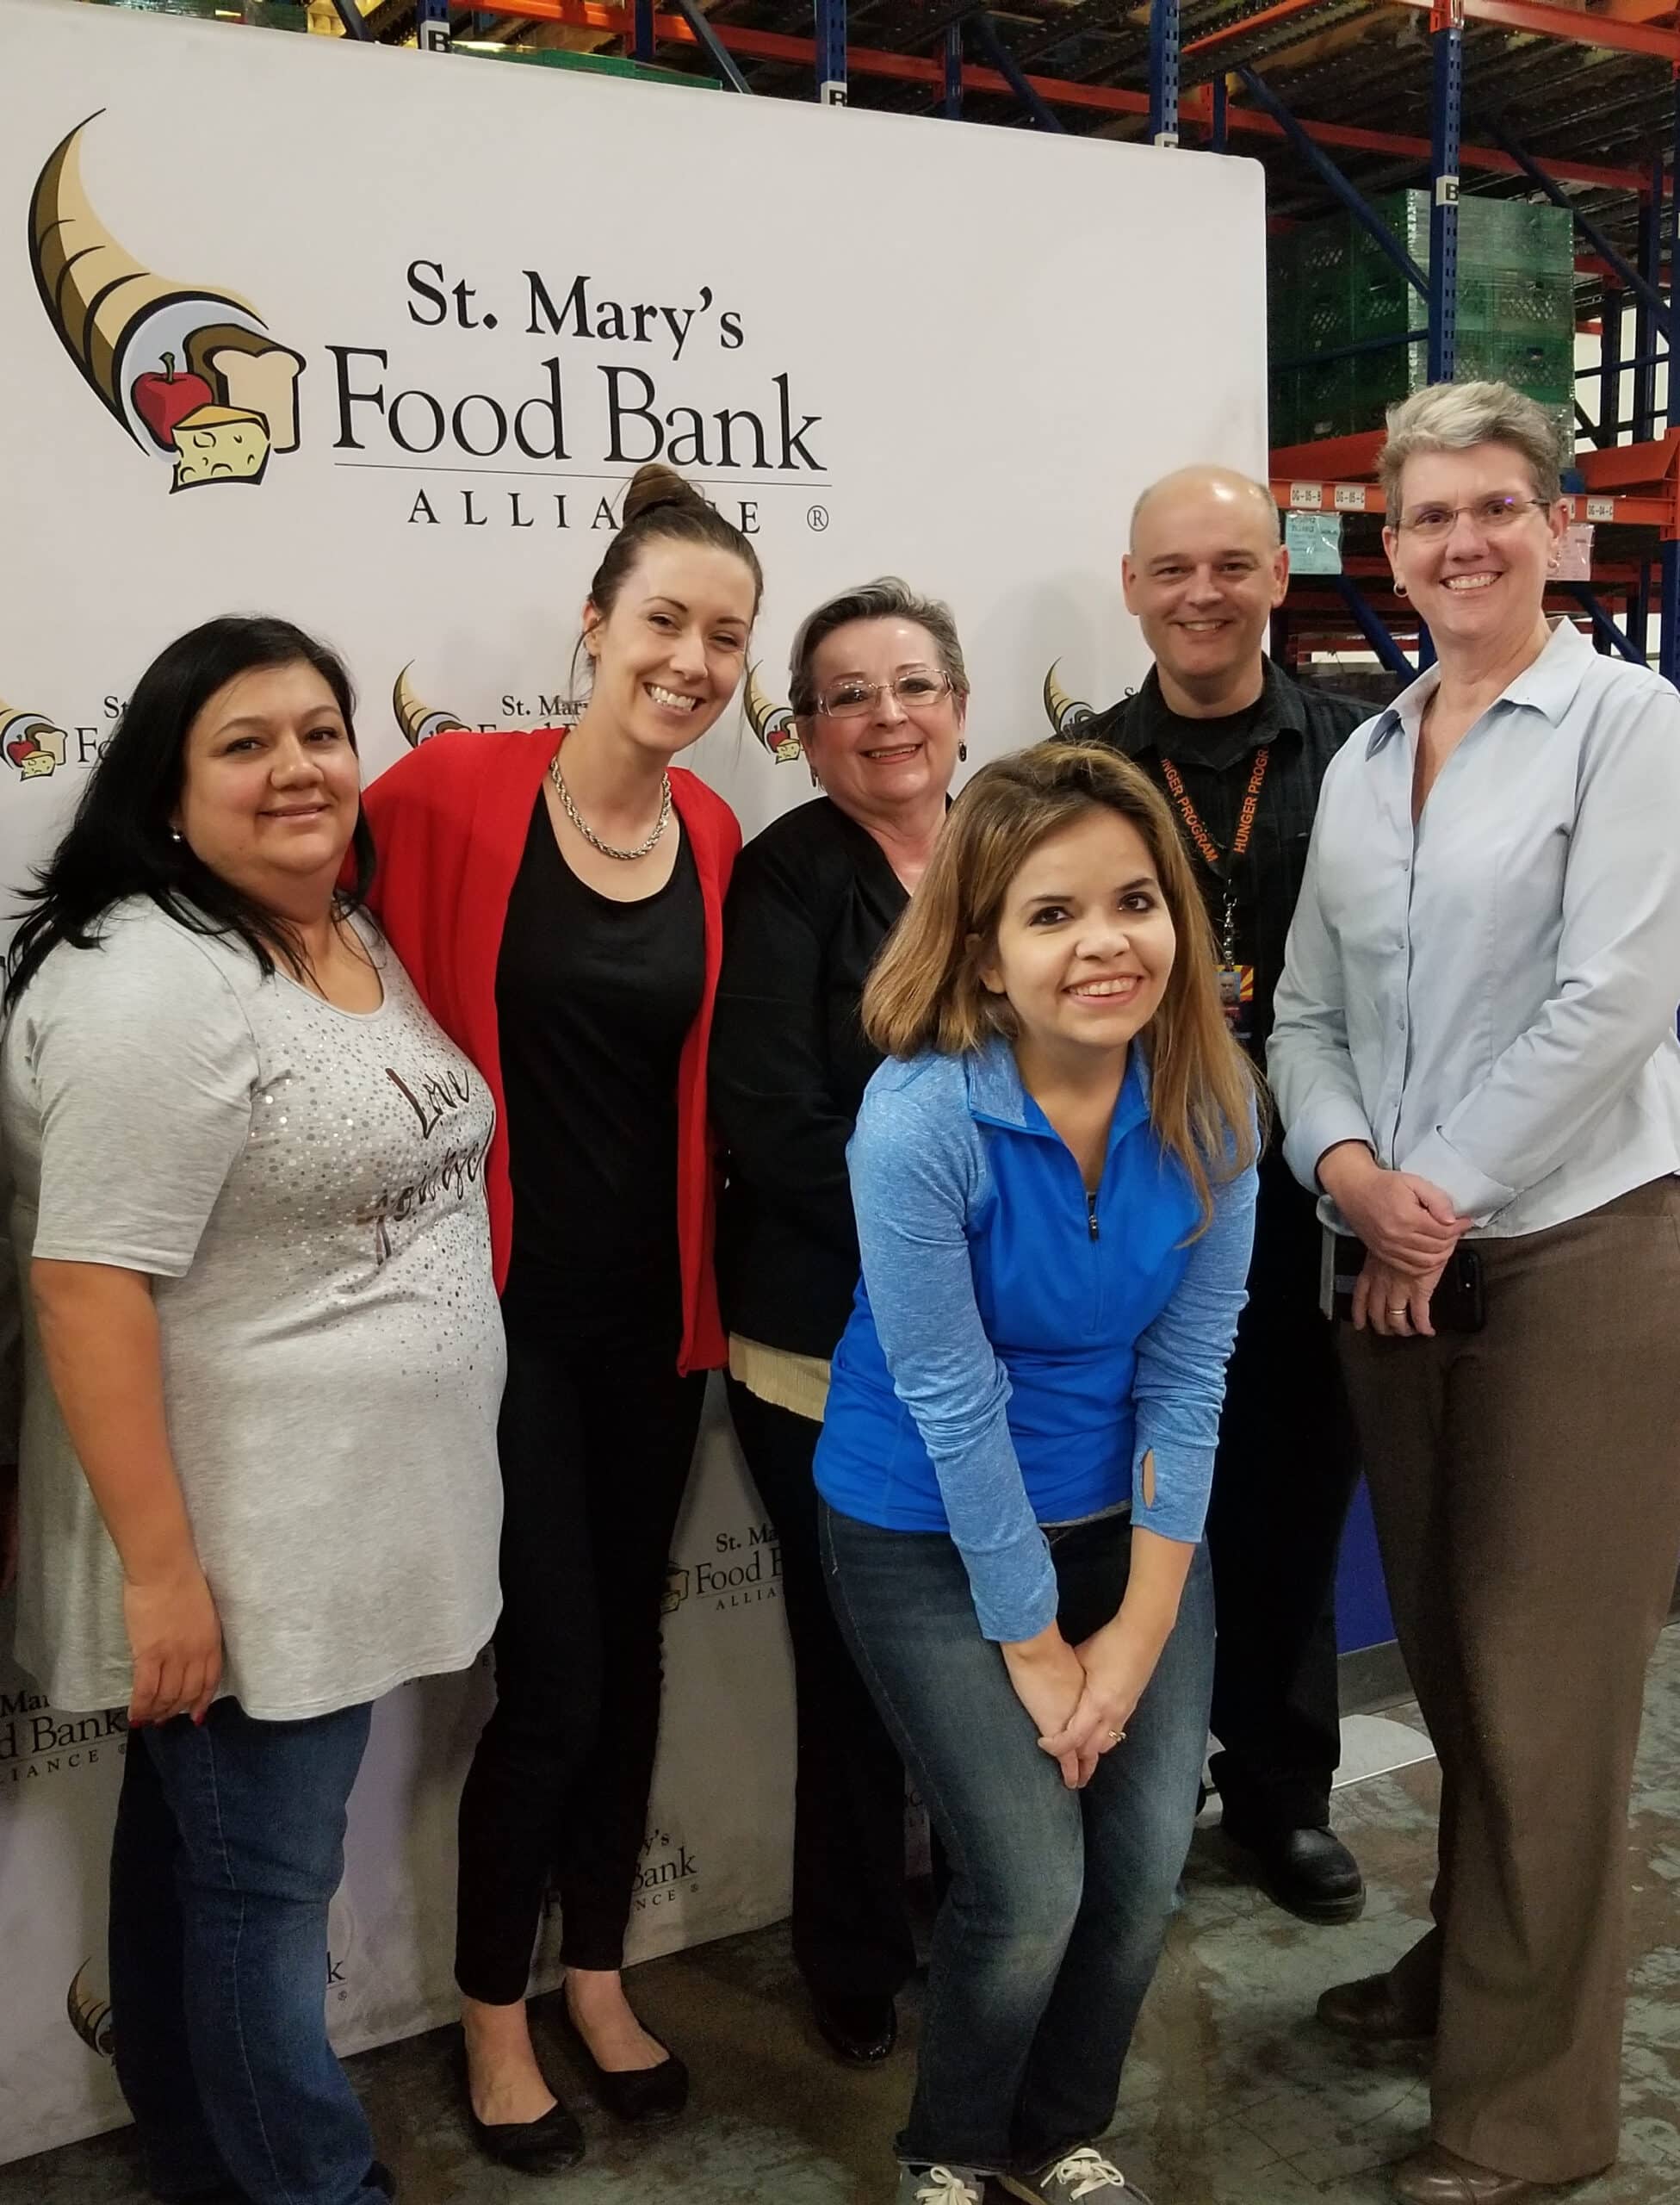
161, 401
20, 748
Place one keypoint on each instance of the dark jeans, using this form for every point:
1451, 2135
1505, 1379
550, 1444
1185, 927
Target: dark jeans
228, 1847
852, 1933
1059, 1900
595, 1450
1286, 1471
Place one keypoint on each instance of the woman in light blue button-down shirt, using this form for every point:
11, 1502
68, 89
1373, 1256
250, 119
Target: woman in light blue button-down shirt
1475, 1059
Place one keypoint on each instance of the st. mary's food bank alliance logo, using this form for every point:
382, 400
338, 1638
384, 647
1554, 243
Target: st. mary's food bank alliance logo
191, 373
743, 1570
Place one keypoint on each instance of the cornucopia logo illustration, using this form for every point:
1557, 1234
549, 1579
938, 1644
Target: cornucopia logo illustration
192, 374
773, 725
417, 719
30, 742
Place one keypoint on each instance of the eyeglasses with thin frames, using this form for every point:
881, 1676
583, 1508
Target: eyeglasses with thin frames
917, 688
1428, 523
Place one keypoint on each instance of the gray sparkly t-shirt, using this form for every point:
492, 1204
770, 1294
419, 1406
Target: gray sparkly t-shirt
304, 1186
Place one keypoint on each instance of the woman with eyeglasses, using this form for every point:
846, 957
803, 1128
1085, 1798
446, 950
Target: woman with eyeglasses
879, 691
1474, 1055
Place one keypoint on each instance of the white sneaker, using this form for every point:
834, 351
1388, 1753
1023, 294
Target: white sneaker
940, 2186
1074, 2177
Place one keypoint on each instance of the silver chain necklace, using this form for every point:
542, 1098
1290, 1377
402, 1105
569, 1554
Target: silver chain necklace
606, 849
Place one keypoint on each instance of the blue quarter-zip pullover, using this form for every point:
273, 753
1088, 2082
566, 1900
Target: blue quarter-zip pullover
1020, 1352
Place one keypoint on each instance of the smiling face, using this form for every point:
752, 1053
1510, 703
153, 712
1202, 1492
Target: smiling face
1202, 578
270, 789
1085, 941
1478, 587
894, 755
670, 654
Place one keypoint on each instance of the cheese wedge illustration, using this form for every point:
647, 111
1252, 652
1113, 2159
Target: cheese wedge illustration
30, 741
417, 720
121, 322
219, 444
1065, 713
772, 725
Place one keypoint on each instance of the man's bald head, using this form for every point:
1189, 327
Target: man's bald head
1205, 570
1221, 489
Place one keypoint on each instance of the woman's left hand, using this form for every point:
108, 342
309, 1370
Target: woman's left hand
1118, 1665
1393, 1302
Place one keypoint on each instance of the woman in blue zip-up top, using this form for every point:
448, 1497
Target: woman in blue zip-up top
1053, 1176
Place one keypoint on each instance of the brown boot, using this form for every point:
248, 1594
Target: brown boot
1370, 2010
1436, 2176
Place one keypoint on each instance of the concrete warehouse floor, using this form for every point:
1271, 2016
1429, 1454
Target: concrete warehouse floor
1234, 2095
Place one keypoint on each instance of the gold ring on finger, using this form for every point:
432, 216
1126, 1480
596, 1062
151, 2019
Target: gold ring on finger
1115, 1736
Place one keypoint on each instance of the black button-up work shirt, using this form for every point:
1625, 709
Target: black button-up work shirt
1305, 728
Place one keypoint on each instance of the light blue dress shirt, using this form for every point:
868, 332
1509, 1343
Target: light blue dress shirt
1489, 999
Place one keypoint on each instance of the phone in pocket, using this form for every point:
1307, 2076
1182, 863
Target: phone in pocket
1458, 1304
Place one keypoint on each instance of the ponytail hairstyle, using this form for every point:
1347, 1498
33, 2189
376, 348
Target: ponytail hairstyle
926, 993
120, 843
660, 507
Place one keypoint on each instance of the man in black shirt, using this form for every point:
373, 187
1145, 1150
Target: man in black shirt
1240, 750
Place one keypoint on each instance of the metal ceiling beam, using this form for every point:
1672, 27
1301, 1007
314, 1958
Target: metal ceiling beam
1108, 99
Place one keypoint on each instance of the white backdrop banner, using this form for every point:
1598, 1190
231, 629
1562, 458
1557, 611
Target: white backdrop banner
374, 340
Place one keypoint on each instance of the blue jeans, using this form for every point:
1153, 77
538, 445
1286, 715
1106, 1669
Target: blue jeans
229, 1845
1059, 1900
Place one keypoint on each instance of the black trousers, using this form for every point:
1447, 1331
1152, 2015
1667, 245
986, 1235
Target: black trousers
852, 1933
1286, 1471
595, 1450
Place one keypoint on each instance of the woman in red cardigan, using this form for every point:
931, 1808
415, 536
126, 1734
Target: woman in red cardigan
559, 905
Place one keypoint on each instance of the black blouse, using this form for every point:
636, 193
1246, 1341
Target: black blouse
813, 899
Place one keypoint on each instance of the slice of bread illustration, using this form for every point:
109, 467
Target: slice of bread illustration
245, 367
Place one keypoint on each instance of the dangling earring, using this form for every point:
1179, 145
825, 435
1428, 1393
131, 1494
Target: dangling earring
962, 752
175, 834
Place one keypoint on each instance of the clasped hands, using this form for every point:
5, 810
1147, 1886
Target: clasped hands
1081, 1698
1410, 1229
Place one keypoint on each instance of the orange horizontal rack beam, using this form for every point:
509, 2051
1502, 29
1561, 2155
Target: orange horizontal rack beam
1297, 494
1627, 486
1542, 20
1197, 106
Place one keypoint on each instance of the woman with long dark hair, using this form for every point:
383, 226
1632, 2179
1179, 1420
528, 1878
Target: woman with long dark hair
263, 1359
558, 900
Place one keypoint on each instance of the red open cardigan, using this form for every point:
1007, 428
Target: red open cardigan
450, 821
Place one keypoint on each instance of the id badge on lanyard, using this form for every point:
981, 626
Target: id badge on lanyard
1236, 980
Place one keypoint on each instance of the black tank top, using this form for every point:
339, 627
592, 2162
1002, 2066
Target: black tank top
594, 1000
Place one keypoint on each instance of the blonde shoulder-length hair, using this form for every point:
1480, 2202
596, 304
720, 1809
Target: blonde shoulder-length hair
926, 991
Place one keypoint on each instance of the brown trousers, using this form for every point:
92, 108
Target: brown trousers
1525, 1481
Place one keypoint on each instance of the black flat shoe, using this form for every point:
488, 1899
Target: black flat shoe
861, 2031
643, 2096
547, 2145
1309, 1873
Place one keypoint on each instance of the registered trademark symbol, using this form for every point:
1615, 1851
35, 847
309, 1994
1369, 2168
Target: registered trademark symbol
818, 517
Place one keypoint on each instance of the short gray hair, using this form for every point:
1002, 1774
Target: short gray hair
1456, 416
884, 599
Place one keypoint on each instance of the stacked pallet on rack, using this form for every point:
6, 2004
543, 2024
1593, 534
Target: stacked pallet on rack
1332, 287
